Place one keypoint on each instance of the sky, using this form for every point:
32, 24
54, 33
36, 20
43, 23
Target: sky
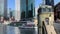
11, 3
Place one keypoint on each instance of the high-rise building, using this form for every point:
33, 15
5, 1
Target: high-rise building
17, 10
8, 12
3, 8
25, 8
49, 2
12, 13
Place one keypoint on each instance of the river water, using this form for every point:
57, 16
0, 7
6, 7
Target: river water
17, 30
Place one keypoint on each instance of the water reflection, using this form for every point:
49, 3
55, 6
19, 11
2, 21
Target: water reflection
17, 30
27, 31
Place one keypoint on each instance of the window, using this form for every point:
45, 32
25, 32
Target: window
49, 9
43, 10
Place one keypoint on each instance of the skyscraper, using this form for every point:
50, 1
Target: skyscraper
49, 2
8, 12
3, 8
12, 13
26, 8
17, 10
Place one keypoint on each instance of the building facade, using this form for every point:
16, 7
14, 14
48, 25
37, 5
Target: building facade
49, 2
3, 8
17, 10
46, 16
26, 8
12, 14
57, 11
8, 12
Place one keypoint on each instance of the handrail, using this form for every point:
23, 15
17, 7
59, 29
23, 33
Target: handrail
44, 29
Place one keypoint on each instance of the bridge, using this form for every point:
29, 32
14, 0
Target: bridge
47, 29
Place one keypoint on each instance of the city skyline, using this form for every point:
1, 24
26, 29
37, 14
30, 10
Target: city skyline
11, 3
24, 9
29, 17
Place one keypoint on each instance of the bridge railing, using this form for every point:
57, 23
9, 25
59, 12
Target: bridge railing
44, 31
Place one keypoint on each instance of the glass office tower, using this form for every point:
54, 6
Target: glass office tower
24, 9
27, 8
49, 2
3, 8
